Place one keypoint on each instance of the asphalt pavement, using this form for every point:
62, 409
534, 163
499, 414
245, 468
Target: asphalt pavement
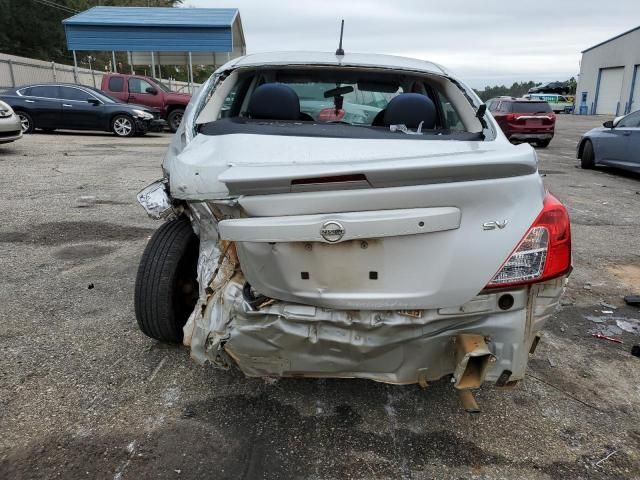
84, 394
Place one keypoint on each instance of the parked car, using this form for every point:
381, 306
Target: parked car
558, 103
524, 120
615, 144
147, 91
400, 250
66, 106
10, 127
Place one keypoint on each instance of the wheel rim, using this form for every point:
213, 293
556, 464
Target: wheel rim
122, 126
24, 122
176, 118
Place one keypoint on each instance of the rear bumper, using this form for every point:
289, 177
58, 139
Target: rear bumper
284, 339
530, 137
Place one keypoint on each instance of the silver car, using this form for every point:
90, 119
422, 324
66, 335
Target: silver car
416, 246
10, 126
615, 144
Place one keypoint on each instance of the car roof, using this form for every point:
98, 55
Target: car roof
55, 84
328, 58
514, 99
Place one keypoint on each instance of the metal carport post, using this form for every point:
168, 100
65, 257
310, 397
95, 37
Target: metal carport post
190, 74
75, 67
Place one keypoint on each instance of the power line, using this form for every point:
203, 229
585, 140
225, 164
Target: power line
52, 4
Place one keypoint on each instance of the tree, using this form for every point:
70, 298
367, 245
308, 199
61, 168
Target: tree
518, 89
31, 28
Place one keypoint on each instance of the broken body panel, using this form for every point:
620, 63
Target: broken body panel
357, 257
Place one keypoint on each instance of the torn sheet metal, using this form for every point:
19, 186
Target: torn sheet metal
280, 338
218, 264
284, 339
155, 200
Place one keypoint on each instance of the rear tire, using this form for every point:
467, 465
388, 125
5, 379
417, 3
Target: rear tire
123, 126
166, 289
543, 143
26, 121
587, 160
174, 119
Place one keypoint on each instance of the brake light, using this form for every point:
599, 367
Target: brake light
511, 117
544, 252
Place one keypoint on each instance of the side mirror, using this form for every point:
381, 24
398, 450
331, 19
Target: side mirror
93, 101
151, 90
608, 124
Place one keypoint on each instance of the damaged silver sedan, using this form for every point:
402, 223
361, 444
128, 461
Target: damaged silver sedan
356, 216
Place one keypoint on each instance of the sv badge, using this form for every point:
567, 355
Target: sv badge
494, 224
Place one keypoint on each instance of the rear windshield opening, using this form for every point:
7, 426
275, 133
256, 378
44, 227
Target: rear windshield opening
530, 107
343, 102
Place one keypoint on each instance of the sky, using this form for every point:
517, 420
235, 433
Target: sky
485, 42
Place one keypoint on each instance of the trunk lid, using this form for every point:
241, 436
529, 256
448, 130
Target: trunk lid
366, 224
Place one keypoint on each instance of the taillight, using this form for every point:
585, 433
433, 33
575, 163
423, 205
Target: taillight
544, 252
511, 117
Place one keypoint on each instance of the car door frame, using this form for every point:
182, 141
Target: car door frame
46, 112
143, 98
630, 136
122, 95
80, 114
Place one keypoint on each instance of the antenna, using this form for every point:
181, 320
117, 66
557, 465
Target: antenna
340, 51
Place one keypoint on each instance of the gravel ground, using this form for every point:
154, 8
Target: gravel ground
84, 394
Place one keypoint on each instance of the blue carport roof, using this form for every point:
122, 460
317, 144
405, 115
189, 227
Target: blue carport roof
153, 29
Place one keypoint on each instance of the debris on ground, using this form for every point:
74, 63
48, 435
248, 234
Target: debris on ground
635, 350
630, 325
608, 306
597, 464
596, 319
90, 286
604, 337
633, 300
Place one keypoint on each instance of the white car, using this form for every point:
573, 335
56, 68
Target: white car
414, 247
10, 127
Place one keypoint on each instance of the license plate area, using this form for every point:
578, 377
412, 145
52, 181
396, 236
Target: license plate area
351, 265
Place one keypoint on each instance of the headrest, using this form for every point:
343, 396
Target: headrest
274, 101
410, 109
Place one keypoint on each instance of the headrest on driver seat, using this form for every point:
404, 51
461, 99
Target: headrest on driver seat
410, 109
274, 101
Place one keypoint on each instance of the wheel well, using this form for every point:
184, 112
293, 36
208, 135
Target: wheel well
18, 111
175, 106
583, 142
119, 113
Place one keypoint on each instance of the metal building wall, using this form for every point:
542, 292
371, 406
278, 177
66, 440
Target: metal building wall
144, 29
623, 51
146, 39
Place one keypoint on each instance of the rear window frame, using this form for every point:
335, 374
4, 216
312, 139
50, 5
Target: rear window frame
513, 109
117, 78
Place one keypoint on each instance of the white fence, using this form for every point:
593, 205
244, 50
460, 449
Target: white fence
15, 71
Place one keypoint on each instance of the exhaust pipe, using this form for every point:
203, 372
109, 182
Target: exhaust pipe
473, 359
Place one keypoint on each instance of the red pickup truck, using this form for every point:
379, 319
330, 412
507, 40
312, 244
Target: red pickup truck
147, 91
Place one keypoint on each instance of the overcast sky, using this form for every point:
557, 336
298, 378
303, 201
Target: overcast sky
486, 42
